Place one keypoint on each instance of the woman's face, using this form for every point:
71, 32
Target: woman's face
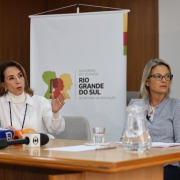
158, 87
14, 80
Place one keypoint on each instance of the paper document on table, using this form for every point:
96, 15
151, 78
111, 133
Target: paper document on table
162, 144
74, 148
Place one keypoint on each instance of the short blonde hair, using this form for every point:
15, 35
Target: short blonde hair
144, 90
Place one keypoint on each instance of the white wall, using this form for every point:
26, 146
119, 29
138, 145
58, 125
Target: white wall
169, 39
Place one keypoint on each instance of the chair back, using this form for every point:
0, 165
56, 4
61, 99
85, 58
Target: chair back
132, 95
76, 128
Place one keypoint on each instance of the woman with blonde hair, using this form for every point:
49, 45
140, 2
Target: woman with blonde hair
163, 116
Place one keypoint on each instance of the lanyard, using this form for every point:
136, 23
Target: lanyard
11, 114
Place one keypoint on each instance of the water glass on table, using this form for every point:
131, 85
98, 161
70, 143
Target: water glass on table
98, 135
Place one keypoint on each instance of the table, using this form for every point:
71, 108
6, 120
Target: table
17, 162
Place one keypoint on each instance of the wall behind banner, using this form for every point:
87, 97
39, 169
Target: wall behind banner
169, 39
142, 30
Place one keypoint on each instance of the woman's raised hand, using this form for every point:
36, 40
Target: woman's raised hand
57, 103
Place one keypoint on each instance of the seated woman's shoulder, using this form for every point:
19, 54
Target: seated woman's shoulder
174, 100
139, 102
39, 98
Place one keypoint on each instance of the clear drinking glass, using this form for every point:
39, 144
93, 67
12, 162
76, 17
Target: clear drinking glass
136, 136
98, 135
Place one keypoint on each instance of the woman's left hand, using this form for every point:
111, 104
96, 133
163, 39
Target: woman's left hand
57, 103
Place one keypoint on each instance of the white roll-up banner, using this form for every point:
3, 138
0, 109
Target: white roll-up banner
83, 56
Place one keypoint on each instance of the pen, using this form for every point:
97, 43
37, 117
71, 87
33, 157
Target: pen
107, 147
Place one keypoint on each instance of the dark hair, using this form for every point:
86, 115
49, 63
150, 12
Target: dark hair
3, 67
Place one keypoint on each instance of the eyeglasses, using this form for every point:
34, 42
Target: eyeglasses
159, 77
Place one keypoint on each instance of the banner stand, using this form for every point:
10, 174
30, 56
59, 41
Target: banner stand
83, 55
77, 6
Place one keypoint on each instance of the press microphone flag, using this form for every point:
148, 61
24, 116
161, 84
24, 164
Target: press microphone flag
6, 134
29, 140
33, 140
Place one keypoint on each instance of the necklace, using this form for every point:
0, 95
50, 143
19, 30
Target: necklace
152, 109
11, 114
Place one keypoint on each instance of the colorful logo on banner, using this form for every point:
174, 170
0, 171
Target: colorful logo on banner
125, 18
57, 85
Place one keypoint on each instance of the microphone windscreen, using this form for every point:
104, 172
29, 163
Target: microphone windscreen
29, 131
17, 134
44, 139
6, 133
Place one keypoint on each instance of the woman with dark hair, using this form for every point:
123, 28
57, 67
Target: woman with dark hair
20, 108
163, 116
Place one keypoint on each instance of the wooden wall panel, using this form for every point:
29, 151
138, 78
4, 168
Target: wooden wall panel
142, 30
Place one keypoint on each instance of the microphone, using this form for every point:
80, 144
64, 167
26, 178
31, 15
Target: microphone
148, 117
6, 133
18, 134
29, 140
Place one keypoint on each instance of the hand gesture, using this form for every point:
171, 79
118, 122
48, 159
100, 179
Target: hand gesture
11, 128
57, 103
